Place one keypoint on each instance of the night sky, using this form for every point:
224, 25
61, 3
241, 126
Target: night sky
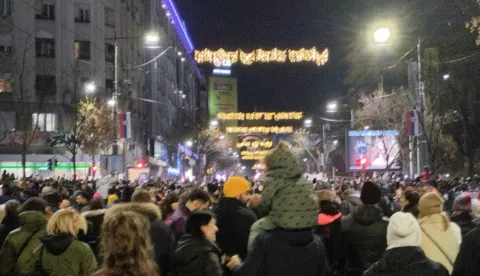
251, 24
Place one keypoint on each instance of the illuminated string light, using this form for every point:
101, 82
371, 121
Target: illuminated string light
267, 116
260, 129
264, 56
255, 144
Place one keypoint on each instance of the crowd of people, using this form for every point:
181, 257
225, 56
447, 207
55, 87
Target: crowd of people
280, 225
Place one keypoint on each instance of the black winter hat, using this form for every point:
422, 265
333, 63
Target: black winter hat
370, 193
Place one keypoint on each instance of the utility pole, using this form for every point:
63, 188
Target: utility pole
421, 152
114, 98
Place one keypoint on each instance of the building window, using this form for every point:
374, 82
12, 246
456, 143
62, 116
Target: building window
109, 53
44, 121
45, 47
82, 15
82, 49
46, 85
109, 17
48, 12
5, 7
6, 83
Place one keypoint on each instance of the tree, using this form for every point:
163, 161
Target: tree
308, 144
216, 148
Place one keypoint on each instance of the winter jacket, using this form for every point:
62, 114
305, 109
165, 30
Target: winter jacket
365, 237
160, 233
63, 255
178, 220
92, 237
32, 226
234, 220
467, 263
441, 239
406, 261
9, 223
465, 221
288, 198
350, 203
197, 257
282, 252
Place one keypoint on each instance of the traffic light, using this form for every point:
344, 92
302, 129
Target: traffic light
50, 164
362, 163
56, 162
140, 164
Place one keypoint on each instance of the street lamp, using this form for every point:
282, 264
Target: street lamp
307, 123
214, 123
111, 102
90, 87
152, 38
366, 127
332, 107
335, 142
446, 76
189, 144
381, 36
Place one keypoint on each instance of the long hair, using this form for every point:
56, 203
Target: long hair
195, 221
166, 203
63, 220
126, 246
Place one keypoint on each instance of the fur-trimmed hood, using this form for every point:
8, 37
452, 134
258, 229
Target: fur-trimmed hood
150, 210
94, 213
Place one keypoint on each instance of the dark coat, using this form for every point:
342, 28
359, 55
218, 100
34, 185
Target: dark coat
197, 257
406, 261
464, 221
467, 263
365, 237
9, 223
285, 253
160, 233
178, 221
234, 220
92, 238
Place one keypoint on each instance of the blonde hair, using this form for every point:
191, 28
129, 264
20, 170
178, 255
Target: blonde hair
64, 221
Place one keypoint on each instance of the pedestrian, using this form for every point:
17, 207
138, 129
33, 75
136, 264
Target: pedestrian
17, 249
441, 238
351, 201
126, 246
60, 253
288, 200
234, 219
11, 221
82, 202
365, 232
112, 196
462, 213
404, 257
196, 253
94, 219
466, 263
161, 235
409, 202
196, 199
168, 205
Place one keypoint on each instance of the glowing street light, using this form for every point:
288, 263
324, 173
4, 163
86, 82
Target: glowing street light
307, 123
332, 107
189, 144
366, 127
381, 36
214, 123
335, 142
111, 102
446, 76
152, 38
90, 87
222, 137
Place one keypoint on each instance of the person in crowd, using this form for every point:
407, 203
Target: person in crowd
94, 219
462, 208
60, 253
126, 246
212, 190
18, 247
6, 194
387, 202
466, 263
65, 204
351, 201
82, 202
126, 194
52, 200
409, 202
288, 200
11, 221
404, 257
426, 174
399, 191
161, 235
168, 205
365, 232
196, 199
112, 196
329, 228
441, 238
234, 219
196, 253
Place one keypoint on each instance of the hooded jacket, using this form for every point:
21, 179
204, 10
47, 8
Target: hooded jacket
160, 233
197, 257
351, 201
406, 261
285, 253
32, 225
288, 198
92, 237
329, 228
234, 220
63, 255
365, 237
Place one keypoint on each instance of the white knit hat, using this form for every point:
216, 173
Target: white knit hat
403, 230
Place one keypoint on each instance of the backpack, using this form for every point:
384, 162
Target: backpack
38, 268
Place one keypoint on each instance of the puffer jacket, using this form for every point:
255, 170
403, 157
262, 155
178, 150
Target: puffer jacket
160, 233
406, 261
63, 255
365, 237
92, 237
197, 257
32, 226
288, 198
